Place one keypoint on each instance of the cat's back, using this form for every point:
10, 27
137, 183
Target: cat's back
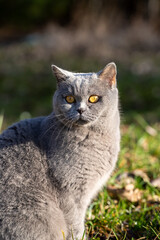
28, 203
20, 153
20, 132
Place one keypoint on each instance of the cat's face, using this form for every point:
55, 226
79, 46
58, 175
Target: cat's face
83, 98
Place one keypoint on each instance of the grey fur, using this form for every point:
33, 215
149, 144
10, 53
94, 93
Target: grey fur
51, 167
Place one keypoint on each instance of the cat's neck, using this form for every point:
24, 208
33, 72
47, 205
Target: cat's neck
104, 125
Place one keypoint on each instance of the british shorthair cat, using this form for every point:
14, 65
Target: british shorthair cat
51, 167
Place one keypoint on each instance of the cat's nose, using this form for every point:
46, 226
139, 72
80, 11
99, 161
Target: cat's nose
80, 110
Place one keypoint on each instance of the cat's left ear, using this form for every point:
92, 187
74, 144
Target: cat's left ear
61, 75
109, 74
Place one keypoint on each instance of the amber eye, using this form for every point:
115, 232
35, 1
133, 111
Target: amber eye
70, 99
93, 99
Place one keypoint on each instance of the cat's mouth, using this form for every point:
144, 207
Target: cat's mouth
76, 120
81, 120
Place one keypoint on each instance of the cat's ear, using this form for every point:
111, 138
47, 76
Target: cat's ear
108, 74
61, 75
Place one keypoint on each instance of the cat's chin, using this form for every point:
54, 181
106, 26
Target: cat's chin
76, 121
81, 122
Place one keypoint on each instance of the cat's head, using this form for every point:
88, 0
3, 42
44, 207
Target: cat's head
85, 98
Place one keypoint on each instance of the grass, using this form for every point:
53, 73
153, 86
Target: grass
119, 217
1, 121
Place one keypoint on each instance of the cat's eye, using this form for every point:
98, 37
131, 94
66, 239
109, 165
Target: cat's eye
70, 99
93, 99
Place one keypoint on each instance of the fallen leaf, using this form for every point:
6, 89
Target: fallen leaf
142, 174
128, 177
129, 193
129, 187
114, 192
156, 182
154, 198
133, 195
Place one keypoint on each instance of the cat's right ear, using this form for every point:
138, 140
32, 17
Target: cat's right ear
60, 74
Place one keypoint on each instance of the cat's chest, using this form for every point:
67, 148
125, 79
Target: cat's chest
82, 160
80, 145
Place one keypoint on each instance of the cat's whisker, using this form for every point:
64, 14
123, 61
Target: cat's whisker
55, 116
48, 129
65, 125
52, 126
69, 126
56, 139
62, 119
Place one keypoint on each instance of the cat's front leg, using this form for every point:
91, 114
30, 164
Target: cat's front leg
76, 233
75, 224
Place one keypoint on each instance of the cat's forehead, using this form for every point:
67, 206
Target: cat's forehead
82, 80
86, 78
83, 84
85, 75
77, 78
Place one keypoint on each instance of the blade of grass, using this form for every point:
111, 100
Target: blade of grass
115, 234
63, 234
157, 235
83, 236
1, 121
124, 236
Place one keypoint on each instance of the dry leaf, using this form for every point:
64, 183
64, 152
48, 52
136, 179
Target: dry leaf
125, 186
129, 187
156, 182
142, 174
133, 195
128, 177
129, 193
154, 198
114, 192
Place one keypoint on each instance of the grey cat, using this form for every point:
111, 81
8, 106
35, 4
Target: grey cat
51, 167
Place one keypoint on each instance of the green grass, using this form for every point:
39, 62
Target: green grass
116, 217
1, 121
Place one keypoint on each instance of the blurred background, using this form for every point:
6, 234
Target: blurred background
84, 36
78, 36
